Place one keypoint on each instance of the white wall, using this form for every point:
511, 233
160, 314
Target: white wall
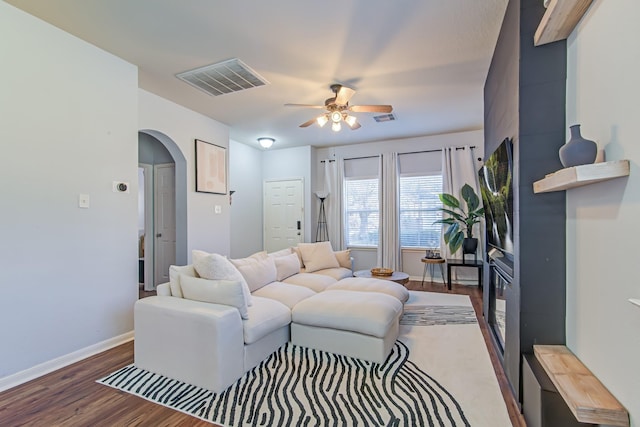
292, 163
69, 275
602, 259
245, 176
366, 258
206, 230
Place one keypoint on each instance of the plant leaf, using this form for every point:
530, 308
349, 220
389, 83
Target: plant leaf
449, 200
470, 197
455, 242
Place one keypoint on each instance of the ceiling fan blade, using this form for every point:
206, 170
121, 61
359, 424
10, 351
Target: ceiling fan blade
308, 123
355, 126
304, 105
344, 95
371, 108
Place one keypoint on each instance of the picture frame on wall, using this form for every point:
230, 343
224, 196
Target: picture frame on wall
211, 168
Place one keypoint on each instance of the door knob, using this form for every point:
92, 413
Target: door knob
159, 235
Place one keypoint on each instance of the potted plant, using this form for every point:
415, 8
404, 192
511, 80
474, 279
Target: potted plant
460, 222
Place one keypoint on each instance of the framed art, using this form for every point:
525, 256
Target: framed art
211, 168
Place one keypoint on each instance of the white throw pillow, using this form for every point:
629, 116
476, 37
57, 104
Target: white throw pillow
224, 292
297, 252
257, 272
174, 277
344, 258
286, 266
217, 267
317, 256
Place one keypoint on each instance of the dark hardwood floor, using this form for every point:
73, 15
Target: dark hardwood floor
71, 397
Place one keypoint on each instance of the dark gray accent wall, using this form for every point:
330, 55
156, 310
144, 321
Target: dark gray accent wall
532, 112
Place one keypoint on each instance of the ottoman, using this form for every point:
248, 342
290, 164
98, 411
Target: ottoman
358, 324
365, 284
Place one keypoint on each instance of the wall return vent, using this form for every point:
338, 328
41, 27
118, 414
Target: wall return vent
224, 77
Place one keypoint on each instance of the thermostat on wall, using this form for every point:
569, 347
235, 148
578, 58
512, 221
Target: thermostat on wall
120, 187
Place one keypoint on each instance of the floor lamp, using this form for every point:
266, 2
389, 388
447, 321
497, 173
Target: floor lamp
322, 232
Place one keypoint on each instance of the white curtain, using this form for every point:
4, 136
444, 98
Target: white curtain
333, 171
389, 253
458, 169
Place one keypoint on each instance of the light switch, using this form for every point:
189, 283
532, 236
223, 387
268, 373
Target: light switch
218, 209
83, 201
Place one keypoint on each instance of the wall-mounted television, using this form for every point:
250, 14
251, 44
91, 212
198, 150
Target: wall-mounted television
496, 186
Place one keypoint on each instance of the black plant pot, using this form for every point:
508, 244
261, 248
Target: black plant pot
469, 245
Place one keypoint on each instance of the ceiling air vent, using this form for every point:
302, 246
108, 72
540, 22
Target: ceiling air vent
224, 77
384, 118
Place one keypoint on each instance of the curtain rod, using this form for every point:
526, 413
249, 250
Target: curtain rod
410, 152
365, 157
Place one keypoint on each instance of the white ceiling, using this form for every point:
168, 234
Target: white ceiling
427, 58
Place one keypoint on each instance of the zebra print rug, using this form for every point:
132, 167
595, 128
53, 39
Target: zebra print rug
297, 386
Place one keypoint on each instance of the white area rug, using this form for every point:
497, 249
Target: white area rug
439, 373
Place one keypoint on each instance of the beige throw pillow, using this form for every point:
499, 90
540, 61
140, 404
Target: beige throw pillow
256, 272
286, 266
317, 256
217, 267
344, 258
223, 292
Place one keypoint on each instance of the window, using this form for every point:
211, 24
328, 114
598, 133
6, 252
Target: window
362, 212
419, 209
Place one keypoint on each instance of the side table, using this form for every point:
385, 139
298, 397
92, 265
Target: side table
431, 263
464, 263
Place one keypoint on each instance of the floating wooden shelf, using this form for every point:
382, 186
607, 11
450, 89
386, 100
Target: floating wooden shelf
589, 400
559, 20
581, 175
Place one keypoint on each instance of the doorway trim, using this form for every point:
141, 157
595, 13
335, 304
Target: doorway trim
181, 192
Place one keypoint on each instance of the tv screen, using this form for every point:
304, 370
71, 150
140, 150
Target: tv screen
496, 186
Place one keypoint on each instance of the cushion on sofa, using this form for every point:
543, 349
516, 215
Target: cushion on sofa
174, 277
217, 267
285, 293
315, 282
368, 313
257, 272
344, 258
317, 256
366, 284
338, 273
286, 266
223, 292
265, 316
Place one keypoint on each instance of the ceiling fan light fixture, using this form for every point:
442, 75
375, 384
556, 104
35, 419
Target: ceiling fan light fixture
335, 126
351, 120
336, 117
266, 142
322, 120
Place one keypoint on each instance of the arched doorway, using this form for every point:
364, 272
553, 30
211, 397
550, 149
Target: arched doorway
156, 151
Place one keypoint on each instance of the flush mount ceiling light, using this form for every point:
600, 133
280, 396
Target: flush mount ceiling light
266, 142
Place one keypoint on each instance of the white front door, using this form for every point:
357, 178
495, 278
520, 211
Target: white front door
164, 221
283, 214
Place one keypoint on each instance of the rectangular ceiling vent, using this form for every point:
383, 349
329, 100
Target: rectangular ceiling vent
384, 118
224, 77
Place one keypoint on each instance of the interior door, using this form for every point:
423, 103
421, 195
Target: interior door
165, 221
283, 214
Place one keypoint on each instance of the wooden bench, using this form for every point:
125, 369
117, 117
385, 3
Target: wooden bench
587, 398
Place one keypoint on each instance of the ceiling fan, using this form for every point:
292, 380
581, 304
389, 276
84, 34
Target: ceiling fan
338, 109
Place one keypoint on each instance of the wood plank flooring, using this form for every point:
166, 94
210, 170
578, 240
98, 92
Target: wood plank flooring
71, 397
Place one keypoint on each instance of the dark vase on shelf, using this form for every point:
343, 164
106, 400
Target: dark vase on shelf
578, 151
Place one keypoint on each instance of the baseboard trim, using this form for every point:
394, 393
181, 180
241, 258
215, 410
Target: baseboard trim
62, 361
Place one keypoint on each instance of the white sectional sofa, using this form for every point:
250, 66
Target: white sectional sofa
212, 323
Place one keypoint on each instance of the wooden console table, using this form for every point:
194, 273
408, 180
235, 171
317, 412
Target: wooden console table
464, 263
